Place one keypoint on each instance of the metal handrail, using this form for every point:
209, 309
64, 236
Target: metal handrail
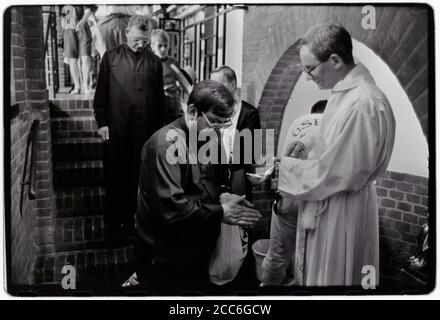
31, 144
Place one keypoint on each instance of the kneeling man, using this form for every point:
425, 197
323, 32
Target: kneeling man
181, 204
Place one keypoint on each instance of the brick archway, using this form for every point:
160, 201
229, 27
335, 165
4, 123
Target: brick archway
400, 40
278, 89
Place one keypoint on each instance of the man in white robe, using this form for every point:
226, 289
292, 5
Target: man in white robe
338, 206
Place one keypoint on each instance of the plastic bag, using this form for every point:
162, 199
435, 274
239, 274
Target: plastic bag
228, 254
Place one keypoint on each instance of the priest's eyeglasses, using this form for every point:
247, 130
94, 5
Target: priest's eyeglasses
310, 70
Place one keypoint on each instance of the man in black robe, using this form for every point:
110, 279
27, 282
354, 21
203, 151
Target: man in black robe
245, 117
129, 108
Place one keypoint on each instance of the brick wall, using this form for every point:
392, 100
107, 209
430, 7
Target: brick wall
31, 233
403, 208
269, 76
22, 227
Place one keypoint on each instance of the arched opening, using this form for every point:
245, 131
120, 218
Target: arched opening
410, 154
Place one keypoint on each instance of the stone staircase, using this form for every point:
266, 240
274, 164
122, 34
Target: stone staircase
80, 234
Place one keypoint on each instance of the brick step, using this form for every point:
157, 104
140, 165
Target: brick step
78, 174
66, 134
80, 233
70, 104
75, 202
73, 124
91, 266
57, 113
77, 149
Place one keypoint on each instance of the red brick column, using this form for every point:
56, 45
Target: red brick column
32, 232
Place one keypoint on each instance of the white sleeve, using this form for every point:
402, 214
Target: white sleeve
346, 164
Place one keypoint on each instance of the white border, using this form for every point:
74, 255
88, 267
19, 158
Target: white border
3, 295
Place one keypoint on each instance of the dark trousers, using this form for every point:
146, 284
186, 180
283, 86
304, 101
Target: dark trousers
160, 277
121, 167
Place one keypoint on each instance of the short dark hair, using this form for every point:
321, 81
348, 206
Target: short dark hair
212, 96
228, 72
319, 106
326, 39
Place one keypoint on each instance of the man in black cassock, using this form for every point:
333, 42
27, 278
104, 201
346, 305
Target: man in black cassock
246, 117
129, 108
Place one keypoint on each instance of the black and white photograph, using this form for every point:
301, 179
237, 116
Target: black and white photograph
220, 150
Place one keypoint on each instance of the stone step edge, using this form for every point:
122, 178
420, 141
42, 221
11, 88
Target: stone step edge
55, 219
73, 118
123, 248
88, 140
66, 112
85, 251
88, 164
98, 189
79, 222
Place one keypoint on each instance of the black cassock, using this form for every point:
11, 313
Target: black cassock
129, 99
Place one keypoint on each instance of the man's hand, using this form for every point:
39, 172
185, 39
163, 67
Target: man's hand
294, 149
237, 210
226, 196
103, 132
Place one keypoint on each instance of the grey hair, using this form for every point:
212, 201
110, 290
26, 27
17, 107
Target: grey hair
141, 23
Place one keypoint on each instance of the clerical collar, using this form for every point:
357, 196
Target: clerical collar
359, 74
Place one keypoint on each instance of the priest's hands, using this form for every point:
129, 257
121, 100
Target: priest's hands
295, 149
103, 132
237, 210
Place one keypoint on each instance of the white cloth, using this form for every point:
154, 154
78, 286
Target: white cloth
305, 128
336, 182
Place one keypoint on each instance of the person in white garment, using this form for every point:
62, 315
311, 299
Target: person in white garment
278, 267
302, 133
338, 209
